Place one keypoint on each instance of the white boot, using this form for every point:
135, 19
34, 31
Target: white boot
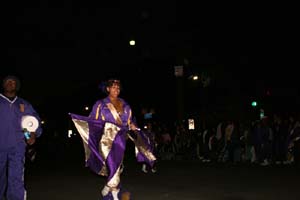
144, 168
153, 170
105, 190
115, 194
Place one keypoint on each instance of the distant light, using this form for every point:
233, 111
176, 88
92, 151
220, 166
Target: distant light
86, 108
132, 42
191, 124
70, 133
262, 114
195, 78
42, 122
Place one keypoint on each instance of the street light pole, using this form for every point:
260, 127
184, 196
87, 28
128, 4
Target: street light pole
179, 92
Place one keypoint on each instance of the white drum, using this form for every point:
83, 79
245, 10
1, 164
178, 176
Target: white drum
29, 122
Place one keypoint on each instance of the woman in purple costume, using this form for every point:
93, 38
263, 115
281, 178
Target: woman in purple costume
104, 133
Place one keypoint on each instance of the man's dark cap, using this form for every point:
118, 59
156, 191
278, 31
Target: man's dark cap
12, 78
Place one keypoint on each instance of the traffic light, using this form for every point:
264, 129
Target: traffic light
254, 104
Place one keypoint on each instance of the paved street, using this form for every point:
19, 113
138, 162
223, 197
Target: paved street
65, 177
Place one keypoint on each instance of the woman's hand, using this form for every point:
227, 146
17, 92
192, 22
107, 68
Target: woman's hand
133, 127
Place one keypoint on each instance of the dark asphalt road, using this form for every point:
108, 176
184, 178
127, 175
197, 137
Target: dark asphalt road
65, 177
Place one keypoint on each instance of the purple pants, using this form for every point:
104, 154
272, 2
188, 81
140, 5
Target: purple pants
12, 173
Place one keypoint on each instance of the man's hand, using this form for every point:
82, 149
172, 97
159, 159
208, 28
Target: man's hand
32, 138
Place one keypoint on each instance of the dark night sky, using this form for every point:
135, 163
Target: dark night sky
64, 48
